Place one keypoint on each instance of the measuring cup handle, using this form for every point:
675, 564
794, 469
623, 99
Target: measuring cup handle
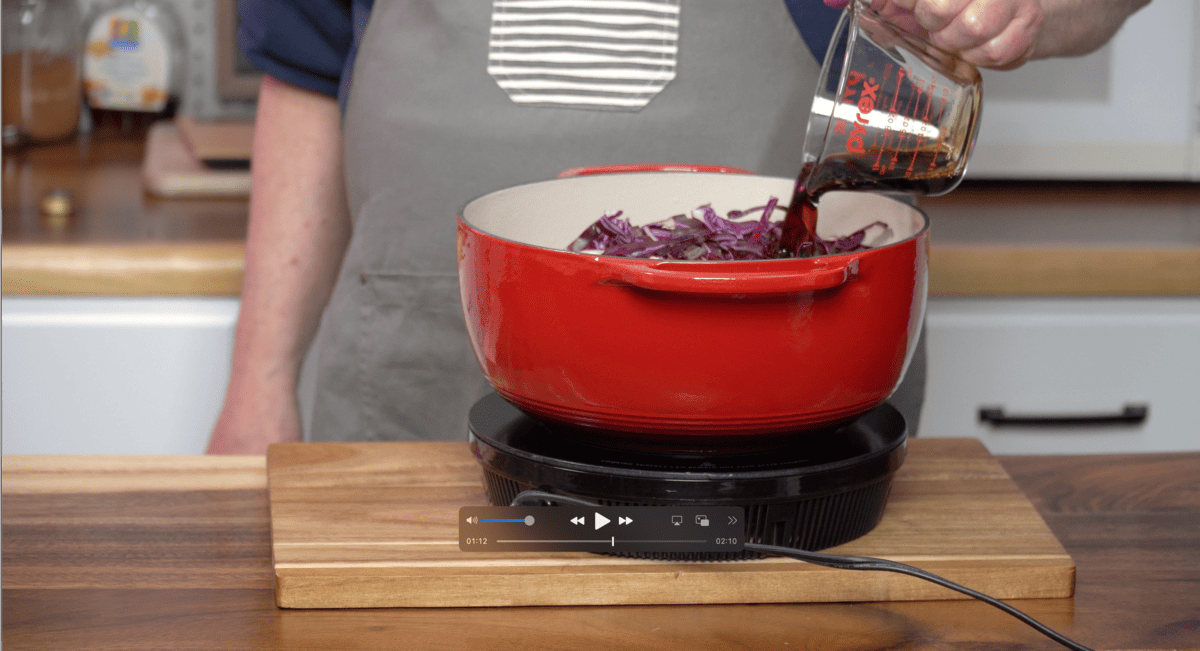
648, 167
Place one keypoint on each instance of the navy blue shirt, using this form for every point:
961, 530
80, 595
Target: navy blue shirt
312, 43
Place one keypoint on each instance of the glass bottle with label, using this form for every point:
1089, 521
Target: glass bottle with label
41, 89
133, 57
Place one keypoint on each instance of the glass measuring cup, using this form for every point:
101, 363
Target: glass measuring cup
891, 112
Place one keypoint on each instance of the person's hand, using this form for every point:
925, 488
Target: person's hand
989, 33
254, 416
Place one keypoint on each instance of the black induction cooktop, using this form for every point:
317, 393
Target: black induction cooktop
808, 490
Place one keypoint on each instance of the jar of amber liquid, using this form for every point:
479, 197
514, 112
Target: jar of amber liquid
42, 92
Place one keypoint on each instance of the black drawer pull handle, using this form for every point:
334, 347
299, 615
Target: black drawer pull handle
1130, 416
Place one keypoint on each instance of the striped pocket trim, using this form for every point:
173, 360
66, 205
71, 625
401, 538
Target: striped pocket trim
591, 54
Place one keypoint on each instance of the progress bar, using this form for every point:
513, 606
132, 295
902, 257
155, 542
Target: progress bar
608, 541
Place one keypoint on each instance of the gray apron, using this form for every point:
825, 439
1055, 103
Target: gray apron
428, 127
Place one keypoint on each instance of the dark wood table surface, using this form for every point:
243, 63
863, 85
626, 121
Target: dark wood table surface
174, 553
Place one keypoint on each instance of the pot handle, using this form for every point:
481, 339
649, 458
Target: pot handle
685, 278
648, 167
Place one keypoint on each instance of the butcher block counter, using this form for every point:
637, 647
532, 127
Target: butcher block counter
988, 238
153, 552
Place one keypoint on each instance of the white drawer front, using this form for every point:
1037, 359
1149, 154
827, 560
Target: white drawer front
1057, 358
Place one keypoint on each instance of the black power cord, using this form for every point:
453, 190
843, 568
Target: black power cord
844, 563
883, 565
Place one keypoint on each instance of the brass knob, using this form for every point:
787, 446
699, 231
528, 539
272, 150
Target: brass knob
57, 203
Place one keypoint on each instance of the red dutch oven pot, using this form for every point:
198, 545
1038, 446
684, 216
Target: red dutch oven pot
668, 349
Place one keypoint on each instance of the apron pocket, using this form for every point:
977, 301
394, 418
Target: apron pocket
418, 374
583, 54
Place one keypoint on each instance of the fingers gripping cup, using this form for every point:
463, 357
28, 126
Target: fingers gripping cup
890, 113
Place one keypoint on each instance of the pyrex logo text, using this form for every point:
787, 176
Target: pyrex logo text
866, 104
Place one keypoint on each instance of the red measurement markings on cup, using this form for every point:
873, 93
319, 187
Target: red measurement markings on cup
908, 124
876, 144
881, 165
940, 143
923, 125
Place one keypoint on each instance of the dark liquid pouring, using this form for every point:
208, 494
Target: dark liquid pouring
926, 171
800, 222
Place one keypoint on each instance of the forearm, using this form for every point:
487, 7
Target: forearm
298, 232
299, 226
1078, 27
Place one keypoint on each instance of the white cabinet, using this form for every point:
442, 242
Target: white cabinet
1072, 364
113, 375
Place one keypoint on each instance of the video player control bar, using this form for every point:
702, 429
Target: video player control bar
601, 529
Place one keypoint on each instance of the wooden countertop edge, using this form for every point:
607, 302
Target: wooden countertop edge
215, 269
1011, 270
183, 268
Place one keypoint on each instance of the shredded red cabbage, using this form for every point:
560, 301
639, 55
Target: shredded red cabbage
705, 235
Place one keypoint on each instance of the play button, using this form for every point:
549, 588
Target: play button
601, 520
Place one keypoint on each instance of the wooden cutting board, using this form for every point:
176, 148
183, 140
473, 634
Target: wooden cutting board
218, 142
362, 525
170, 169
